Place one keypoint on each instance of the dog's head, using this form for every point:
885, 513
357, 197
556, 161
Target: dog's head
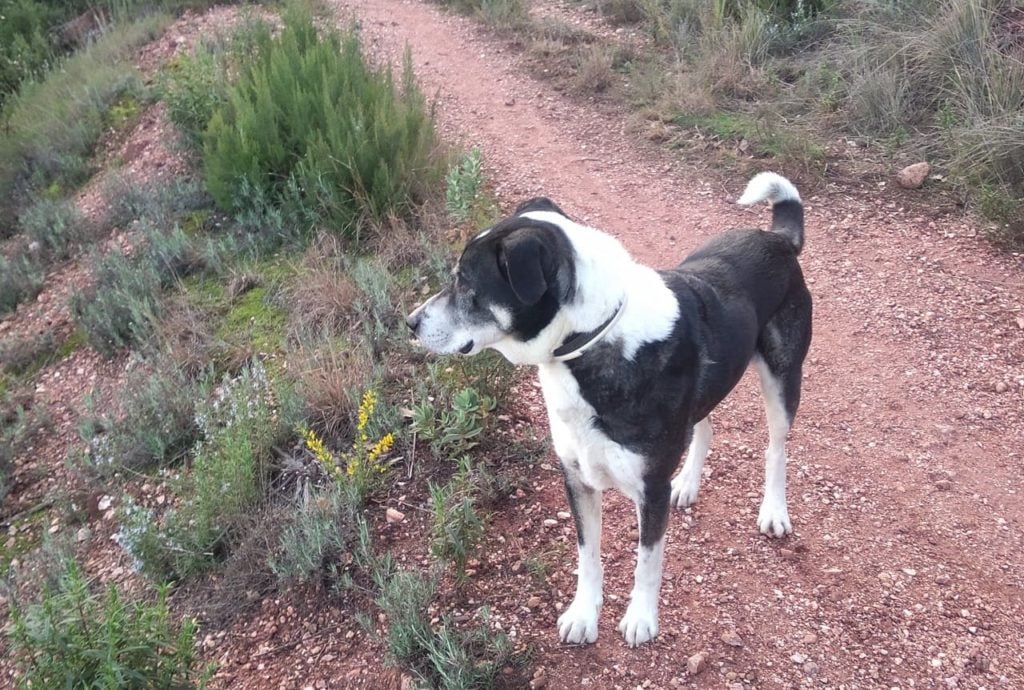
508, 285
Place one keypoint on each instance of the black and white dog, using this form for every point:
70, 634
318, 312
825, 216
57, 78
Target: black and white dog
632, 361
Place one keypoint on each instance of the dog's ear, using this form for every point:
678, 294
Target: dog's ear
521, 262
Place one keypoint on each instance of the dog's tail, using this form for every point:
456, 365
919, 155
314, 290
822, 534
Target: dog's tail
787, 209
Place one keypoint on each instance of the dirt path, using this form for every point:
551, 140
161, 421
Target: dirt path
906, 461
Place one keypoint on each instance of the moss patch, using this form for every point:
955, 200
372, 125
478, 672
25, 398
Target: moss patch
254, 321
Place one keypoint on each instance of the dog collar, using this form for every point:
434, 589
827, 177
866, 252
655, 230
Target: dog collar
578, 343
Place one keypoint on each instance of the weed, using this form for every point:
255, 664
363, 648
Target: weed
454, 430
312, 126
442, 657
595, 72
505, 15
330, 373
71, 636
457, 528
363, 466
20, 422
463, 185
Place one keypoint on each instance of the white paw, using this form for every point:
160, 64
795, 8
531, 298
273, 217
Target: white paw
684, 489
640, 624
578, 624
773, 518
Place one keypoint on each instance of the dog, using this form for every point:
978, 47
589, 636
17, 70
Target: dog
632, 361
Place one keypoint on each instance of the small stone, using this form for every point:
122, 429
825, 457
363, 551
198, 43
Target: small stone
798, 658
944, 485
105, 503
393, 516
550, 522
533, 602
810, 638
1001, 387
539, 679
811, 668
909, 572
913, 176
787, 554
563, 515
732, 638
697, 663
83, 534
943, 579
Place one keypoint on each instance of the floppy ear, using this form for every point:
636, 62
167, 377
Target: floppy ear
521, 262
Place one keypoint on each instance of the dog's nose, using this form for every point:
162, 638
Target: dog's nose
413, 321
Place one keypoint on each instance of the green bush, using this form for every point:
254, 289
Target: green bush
309, 125
193, 87
74, 638
463, 185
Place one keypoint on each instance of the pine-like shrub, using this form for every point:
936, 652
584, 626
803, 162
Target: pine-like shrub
315, 129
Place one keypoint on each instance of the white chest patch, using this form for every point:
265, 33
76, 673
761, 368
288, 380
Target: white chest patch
603, 463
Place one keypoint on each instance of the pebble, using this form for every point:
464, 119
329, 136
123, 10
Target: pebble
798, 658
696, 663
550, 522
393, 516
732, 638
533, 602
810, 668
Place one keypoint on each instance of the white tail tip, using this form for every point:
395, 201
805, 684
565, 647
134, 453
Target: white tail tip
768, 186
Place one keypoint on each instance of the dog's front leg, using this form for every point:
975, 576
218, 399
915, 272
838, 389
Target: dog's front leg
578, 624
640, 623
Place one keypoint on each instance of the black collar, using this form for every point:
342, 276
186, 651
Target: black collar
578, 343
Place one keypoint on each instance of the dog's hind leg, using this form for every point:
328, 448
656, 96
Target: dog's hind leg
781, 391
578, 624
640, 623
687, 483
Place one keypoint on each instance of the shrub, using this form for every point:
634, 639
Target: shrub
247, 417
444, 657
156, 426
53, 124
320, 534
54, 225
72, 637
21, 278
120, 308
21, 356
311, 125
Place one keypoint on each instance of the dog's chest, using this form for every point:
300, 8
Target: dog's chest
598, 461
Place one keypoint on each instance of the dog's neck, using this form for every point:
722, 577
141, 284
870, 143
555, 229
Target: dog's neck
612, 290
